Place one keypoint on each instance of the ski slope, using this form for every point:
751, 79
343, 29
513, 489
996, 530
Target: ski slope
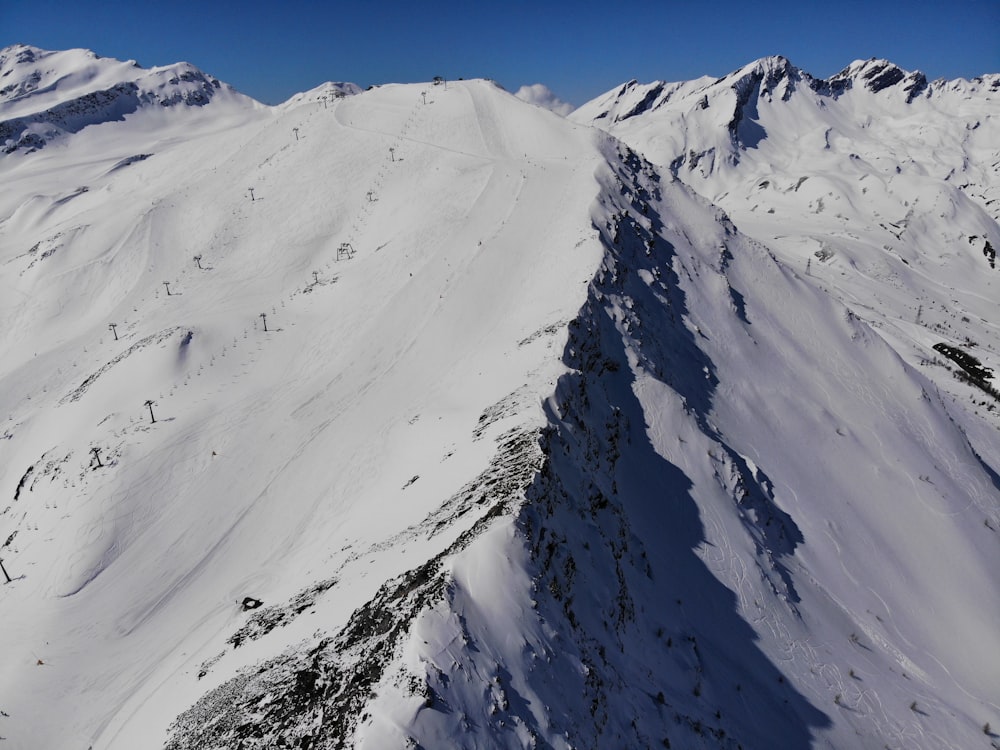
289, 450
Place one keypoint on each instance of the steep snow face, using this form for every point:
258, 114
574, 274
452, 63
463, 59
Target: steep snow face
515, 439
709, 556
45, 95
878, 190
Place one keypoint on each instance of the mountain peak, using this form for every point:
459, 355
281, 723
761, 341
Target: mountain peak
771, 68
770, 65
879, 74
870, 68
21, 53
325, 92
764, 76
45, 95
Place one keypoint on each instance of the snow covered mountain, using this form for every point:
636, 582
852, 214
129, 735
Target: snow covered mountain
883, 187
45, 95
708, 126
515, 438
873, 147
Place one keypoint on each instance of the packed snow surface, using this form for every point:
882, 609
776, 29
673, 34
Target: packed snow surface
515, 435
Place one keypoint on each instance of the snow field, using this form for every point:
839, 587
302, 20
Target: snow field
380, 364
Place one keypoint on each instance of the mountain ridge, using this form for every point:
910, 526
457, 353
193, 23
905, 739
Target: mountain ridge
873, 75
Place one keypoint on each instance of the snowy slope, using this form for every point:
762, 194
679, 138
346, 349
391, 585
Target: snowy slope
520, 442
880, 190
713, 559
291, 450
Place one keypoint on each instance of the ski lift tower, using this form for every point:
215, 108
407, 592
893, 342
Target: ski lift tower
345, 251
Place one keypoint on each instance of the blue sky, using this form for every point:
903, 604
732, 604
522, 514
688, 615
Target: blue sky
271, 50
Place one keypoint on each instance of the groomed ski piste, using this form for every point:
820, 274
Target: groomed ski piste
518, 440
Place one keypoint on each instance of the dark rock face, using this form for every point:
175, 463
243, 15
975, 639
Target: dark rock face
26, 56
876, 76
21, 88
833, 88
882, 76
915, 86
647, 101
761, 83
70, 117
315, 696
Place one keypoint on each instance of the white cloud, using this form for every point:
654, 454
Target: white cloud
541, 95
